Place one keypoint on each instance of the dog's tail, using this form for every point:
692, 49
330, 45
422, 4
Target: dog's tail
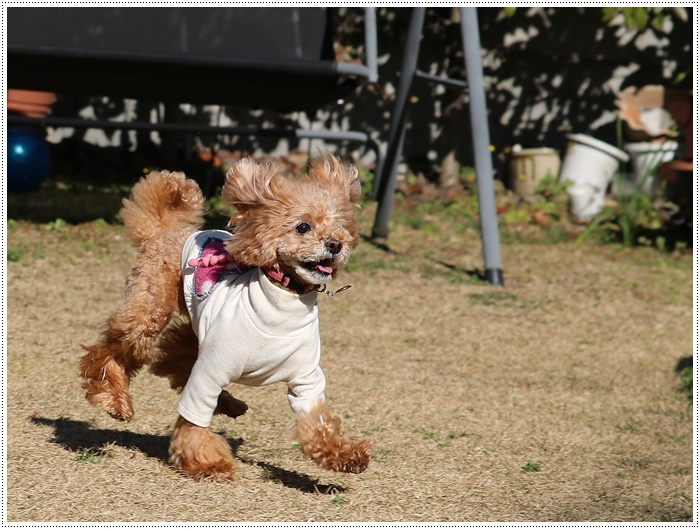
162, 201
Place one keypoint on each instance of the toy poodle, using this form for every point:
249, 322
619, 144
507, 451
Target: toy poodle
208, 308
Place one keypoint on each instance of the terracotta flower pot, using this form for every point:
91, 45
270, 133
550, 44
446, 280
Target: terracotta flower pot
29, 102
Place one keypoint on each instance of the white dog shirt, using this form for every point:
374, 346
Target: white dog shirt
250, 331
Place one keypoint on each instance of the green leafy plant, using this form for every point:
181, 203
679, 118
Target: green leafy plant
338, 500
640, 18
14, 254
217, 208
637, 213
631, 220
516, 216
531, 466
550, 186
56, 225
367, 180
94, 455
687, 382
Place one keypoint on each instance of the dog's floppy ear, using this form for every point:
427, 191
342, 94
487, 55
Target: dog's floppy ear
249, 184
346, 175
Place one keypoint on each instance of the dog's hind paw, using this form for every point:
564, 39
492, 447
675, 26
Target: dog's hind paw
230, 405
106, 382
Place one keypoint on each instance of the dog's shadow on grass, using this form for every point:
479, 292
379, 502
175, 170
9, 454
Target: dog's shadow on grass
82, 439
295, 480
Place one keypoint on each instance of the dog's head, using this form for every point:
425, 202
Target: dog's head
305, 227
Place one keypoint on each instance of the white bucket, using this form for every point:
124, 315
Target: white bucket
645, 159
590, 165
586, 201
528, 167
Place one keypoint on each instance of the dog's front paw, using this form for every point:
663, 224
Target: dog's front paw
339, 454
355, 459
200, 453
321, 439
216, 471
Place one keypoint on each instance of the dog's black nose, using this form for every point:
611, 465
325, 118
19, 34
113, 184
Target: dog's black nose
334, 245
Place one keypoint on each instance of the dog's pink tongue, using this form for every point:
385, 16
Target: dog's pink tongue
324, 269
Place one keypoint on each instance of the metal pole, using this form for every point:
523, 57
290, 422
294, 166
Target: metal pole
481, 141
387, 183
371, 44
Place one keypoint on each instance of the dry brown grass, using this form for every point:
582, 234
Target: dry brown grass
458, 384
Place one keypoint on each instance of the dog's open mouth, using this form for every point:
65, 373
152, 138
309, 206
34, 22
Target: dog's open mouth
325, 266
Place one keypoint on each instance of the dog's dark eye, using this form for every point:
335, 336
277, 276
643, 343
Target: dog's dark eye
303, 228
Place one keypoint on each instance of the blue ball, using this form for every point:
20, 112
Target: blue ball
28, 159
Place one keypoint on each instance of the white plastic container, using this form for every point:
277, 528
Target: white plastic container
590, 165
645, 159
528, 167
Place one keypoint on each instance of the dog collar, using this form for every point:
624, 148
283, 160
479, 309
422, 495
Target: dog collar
229, 262
285, 280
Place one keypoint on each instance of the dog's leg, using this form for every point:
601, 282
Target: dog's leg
109, 365
230, 406
178, 353
129, 340
106, 381
200, 453
178, 348
321, 439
